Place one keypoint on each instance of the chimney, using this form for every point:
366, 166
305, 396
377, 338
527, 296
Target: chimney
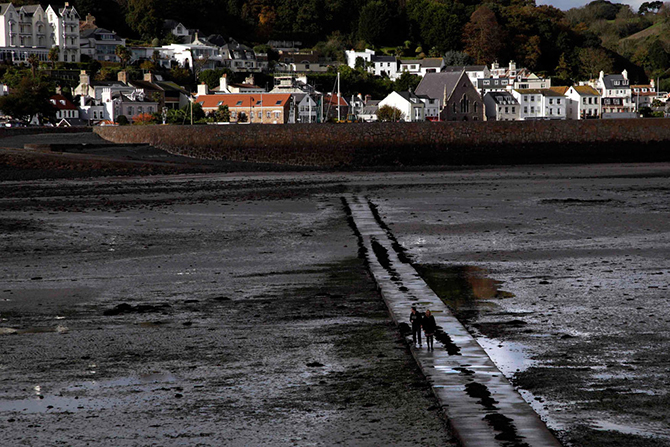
84, 78
249, 80
203, 89
149, 77
368, 98
59, 90
624, 74
223, 83
123, 76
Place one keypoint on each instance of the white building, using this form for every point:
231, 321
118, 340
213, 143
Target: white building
420, 67
352, 55
543, 104
408, 103
583, 102
31, 30
64, 24
100, 44
306, 107
615, 92
501, 106
385, 66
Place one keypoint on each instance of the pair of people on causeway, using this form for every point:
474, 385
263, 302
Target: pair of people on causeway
425, 321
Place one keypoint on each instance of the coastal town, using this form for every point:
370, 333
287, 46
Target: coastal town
96, 77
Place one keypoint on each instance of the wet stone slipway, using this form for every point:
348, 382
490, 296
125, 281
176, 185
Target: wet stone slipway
483, 408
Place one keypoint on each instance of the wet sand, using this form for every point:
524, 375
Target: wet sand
232, 309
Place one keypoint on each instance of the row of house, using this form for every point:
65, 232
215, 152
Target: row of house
453, 95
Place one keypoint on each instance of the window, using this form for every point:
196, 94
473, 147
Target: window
130, 111
551, 111
465, 104
260, 115
506, 109
558, 101
239, 103
525, 109
525, 99
551, 101
268, 114
584, 100
532, 98
513, 109
532, 109
278, 103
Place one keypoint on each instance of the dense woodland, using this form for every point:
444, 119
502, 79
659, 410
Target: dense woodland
566, 45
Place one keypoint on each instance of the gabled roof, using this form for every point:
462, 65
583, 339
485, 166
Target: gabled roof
4, 7
432, 62
433, 84
62, 103
332, 100
459, 68
383, 59
560, 89
30, 9
502, 98
538, 91
244, 100
145, 85
615, 81
585, 90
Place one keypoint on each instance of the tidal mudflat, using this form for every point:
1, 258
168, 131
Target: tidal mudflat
233, 309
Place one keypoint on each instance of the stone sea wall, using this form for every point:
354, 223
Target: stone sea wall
411, 144
17, 131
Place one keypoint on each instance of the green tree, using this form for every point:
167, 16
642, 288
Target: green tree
222, 114
406, 82
34, 63
124, 54
29, 99
213, 77
378, 23
456, 58
390, 114
143, 18
52, 56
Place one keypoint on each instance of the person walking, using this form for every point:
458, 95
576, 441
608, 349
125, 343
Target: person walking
429, 328
415, 319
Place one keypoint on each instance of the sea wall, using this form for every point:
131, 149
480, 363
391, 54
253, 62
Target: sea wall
6, 132
411, 144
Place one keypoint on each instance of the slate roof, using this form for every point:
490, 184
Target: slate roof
382, 59
502, 98
3, 7
433, 84
458, 68
409, 97
611, 80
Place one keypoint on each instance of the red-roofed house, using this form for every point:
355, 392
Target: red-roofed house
65, 110
259, 108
